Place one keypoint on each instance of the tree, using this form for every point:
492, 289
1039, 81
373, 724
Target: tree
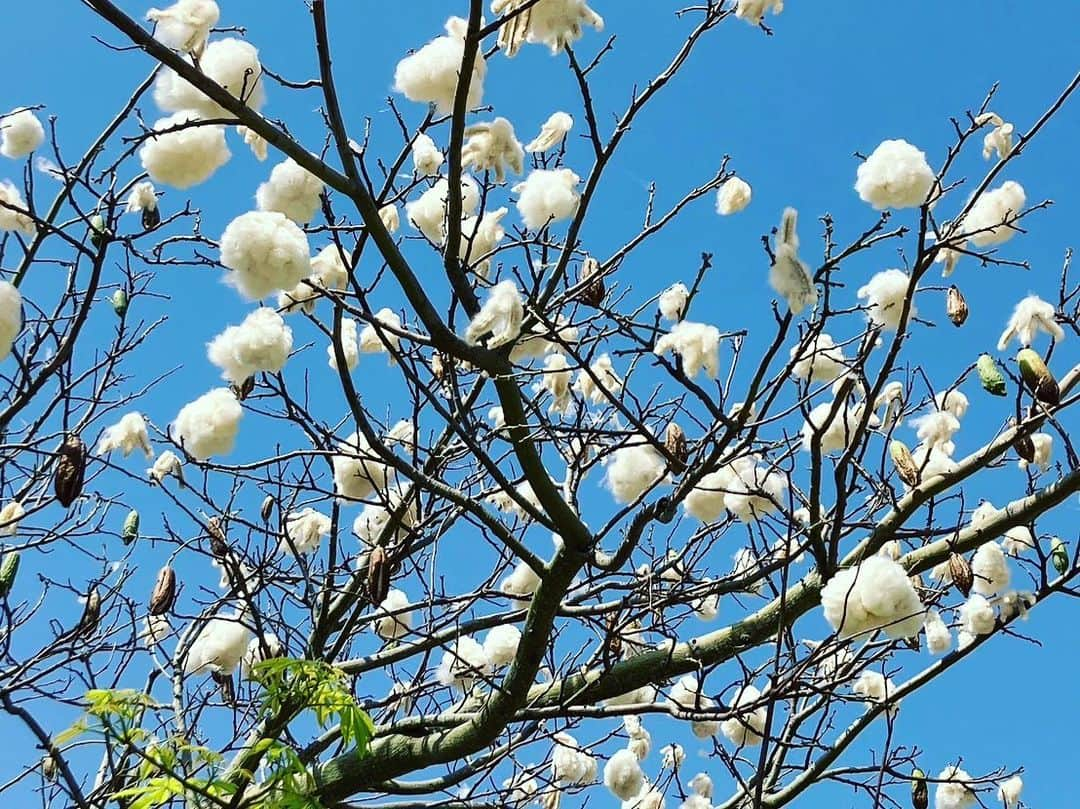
394, 625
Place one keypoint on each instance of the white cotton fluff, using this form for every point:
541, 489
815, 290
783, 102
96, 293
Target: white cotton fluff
547, 196
686, 696
952, 400
127, 435
266, 252
291, 190
540, 341
936, 430
651, 797
753, 11
983, 514
260, 650
743, 487
426, 156
1044, 452
789, 275
256, 142
209, 425
231, 63
479, 238
357, 469
520, 584
895, 175
953, 790
185, 25
990, 570
696, 344
992, 215
838, 431
977, 615
632, 470
747, 726
552, 133
569, 763
10, 315
623, 775
261, 343
1018, 540
375, 518
494, 147
184, 157
938, 636
640, 742
166, 465
1009, 792
555, 379
462, 664
875, 594
143, 197
702, 785
305, 529
1031, 316
673, 300
884, 295
350, 347
395, 619
155, 629
601, 384
555, 23
20, 134
380, 340
875, 688
733, 196
219, 647
501, 644
14, 212
329, 271
819, 361
10, 515
431, 74
390, 217
428, 212
500, 317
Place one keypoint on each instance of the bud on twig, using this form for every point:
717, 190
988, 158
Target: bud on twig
378, 580
993, 381
1059, 556
130, 532
960, 570
675, 444
164, 595
904, 463
920, 798
955, 306
1038, 377
70, 470
9, 568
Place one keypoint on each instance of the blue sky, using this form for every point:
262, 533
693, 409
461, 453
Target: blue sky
790, 110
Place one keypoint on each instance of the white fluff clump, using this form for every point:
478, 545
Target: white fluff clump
1009, 792
259, 650
895, 175
501, 644
697, 344
569, 763
428, 212
555, 23
328, 272
256, 142
10, 315
184, 157
479, 238
706, 500
673, 300
977, 616
884, 295
935, 430
185, 25
374, 340
789, 276
953, 790
305, 530
266, 252
357, 469
875, 594
938, 636
291, 190
607, 382
127, 435
753, 11
143, 197
20, 134
1018, 540
500, 316
350, 347
632, 470
555, 379
374, 520
686, 696
623, 775
742, 486
219, 647
745, 729
547, 196
462, 664
493, 147
261, 343
1044, 451
389, 216
520, 584
819, 361
426, 156
989, 570
733, 196
875, 687
552, 133
837, 431
208, 426
232, 63
394, 622
10, 515
998, 140
166, 465
14, 212
1031, 316
431, 74
992, 215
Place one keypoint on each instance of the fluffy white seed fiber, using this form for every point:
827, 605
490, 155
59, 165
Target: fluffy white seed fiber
821, 360
261, 343
1031, 316
431, 74
185, 157
838, 430
462, 664
547, 196
696, 344
789, 275
895, 175
938, 636
601, 383
570, 764
875, 594
479, 237
291, 190
357, 469
167, 464
673, 300
427, 213
143, 197
501, 644
395, 620
494, 147
734, 195
350, 346
185, 25
989, 570
20, 134
328, 272
993, 214
500, 317
14, 213
305, 530
426, 156
745, 729
10, 515
521, 583
632, 470
753, 11
232, 63
10, 316
623, 775
127, 435
555, 23
552, 133
219, 647
884, 295
374, 340
209, 425
266, 252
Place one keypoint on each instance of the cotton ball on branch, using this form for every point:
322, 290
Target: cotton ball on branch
555, 23
989, 569
733, 196
789, 276
938, 637
999, 139
260, 650
686, 696
10, 515
186, 156
1009, 792
266, 252
953, 790
623, 775
501, 644
208, 426
10, 313
219, 646
993, 214
428, 212
20, 134
493, 147
547, 196
977, 615
261, 343
837, 423
673, 301
819, 361
14, 212
431, 74
1018, 540
555, 379
747, 726
389, 216
381, 340
254, 141
753, 11
875, 687
185, 25
357, 469
479, 238
127, 435
1031, 316
602, 382
552, 133
936, 430
462, 664
1044, 451
305, 530
875, 594
697, 344
701, 784
884, 295
632, 470
231, 63
143, 198
350, 347
895, 175
520, 584
328, 272
394, 621
500, 316
426, 156
752, 489
291, 190
166, 465
570, 764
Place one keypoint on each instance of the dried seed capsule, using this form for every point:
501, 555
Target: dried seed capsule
904, 463
218, 546
960, 570
675, 444
151, 218
164, 594
119, 301
378, 580
920, 798
1038, 377
130, 532
9, 569
1025, 448
226, 683
1059, 556
614, 638
70, 470
49, 767
244, 389
88, 623
594, 292
955, 306
267, 508
993, 381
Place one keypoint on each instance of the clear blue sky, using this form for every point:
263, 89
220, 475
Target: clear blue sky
790, 110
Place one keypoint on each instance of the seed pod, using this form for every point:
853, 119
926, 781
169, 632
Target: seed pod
70, 470
675, 443
955, 306
993, 381
130, 532
88, 623
665, 511
244, 389
226, 683
904, 463
119, 301
378, 580
218, 545
1025, 448
151, 218
98, 233
267, 508
614, 638
1059, 556
9, 569
438, 367
960, 570
49, 767
1038, 377
593, 294
920, 798
164, 595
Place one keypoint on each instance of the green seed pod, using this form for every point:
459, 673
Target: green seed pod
1059, 556
130, 532
98, 233
9, 568
993, 381
119, 301
1038, 377
920, 798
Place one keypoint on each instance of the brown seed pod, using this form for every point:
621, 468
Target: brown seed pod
904, 463
218, 546
593, 294
1038, 377
675, 443
955, 306
244, 389
267, 508
70, 470
1025, 448
614, 638
151, 218
164, 594
378, 580
88, 623
960, 570
49, 767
